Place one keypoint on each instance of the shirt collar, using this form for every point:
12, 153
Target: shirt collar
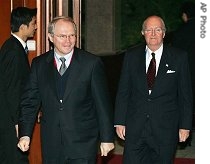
21, 41
158, 52
67, 56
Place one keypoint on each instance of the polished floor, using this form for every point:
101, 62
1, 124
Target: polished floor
183, 150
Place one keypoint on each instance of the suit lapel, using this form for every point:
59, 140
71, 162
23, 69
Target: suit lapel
74, 74
161, 70
50, 72
142, 71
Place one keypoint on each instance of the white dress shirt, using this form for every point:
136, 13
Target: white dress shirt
158, 54
68, 58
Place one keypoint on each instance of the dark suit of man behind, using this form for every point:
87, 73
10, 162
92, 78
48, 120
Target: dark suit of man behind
151, 121
14, 70
76, 109
184, 38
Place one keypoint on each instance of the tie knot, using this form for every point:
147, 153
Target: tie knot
62, 59
63, 66
153, 55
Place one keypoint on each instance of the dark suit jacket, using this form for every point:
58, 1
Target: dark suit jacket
184, 38
84, 117
14, 69
168, 107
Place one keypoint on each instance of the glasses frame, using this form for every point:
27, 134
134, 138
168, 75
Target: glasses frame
64, 37
157, 30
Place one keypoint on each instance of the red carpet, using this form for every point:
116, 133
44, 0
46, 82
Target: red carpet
117, 159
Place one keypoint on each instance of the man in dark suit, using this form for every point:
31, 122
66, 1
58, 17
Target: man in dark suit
153, 118
76, 107
184, 38
14, 69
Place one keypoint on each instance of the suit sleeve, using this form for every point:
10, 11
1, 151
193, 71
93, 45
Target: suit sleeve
30, 102
122, 98
103, 103
185, 95
14, 84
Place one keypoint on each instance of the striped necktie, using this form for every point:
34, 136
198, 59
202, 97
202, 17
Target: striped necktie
63, 66
151, 72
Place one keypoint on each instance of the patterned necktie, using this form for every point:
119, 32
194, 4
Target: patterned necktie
26, 49
63, 66
151, 72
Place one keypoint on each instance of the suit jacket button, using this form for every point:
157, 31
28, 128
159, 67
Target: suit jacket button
61, 108
149, 100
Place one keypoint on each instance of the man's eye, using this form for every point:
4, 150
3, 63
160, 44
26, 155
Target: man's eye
158, 30
63, 36
148, 30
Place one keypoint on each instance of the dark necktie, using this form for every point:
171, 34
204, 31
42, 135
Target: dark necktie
151, 72
26, 49
63, 66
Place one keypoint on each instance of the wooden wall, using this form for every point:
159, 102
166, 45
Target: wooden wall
5, 10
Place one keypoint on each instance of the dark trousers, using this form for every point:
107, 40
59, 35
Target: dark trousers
9, 152
62, 156
148, 151
66, 160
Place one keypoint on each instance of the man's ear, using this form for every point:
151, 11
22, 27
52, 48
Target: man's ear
164, 35
50, 37
22, 26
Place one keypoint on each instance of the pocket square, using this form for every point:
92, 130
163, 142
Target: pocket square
170, 71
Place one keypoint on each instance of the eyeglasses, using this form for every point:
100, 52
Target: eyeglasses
156, 30
64, 37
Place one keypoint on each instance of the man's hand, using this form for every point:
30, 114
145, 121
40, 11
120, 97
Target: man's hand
23, 143
106, 148
183, 135
120, 130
